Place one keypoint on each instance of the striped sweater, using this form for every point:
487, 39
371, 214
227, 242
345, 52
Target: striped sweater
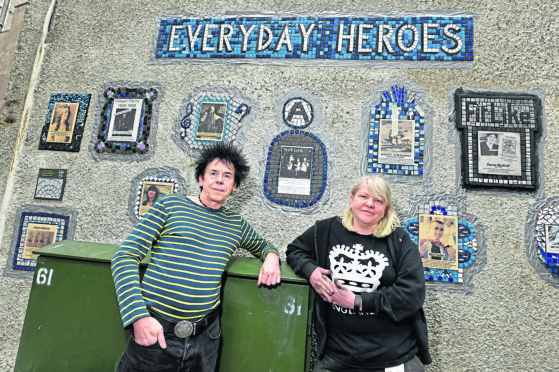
190, 247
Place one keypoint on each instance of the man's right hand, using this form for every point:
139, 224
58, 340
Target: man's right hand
148, 331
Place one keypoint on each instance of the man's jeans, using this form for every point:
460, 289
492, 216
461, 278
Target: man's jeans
197, 354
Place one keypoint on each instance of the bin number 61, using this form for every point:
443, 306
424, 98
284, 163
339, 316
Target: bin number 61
44, 276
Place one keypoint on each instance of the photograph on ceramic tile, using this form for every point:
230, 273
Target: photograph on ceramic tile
126, 119
451, 242
373, 39
149, 186
211, 114
50, 184
64, 122
296, 171
396, 133
542, 239
499, 134
36, 226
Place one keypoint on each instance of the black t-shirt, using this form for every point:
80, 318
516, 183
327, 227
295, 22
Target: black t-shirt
365, 340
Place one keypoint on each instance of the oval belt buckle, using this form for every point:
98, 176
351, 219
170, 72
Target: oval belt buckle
184, 329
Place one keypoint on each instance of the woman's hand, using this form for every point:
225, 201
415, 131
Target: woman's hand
322, 284
342, 296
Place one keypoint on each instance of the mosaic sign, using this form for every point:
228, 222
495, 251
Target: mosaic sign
396, 133
298, 162
126, 121
34, 228
149, 186
413, 39
50, 184
213, 114
542, 239
450, 241
500, 134
64, 123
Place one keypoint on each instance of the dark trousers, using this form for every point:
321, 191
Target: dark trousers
196, 354
327, 364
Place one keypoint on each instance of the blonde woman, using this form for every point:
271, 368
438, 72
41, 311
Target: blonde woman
370, 284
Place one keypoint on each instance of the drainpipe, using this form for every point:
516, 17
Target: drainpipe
25, 119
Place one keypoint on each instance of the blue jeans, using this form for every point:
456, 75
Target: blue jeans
197, 353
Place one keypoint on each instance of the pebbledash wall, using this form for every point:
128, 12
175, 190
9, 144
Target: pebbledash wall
317, 94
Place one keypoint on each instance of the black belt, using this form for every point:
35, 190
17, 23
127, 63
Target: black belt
184, 328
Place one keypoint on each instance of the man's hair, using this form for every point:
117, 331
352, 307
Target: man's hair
228, 154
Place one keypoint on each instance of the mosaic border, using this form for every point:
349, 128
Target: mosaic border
235, 128
329, 20
83, 101
29, 271
492, 187
292, 203
384, 93
462, 280
160, 172
138, 150
544, 263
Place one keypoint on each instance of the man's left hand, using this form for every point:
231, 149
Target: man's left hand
270, 273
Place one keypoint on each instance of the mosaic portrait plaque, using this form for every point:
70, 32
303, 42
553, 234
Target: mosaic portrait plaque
126, 121
211, 114
450, 241
64, 123
372, 39
36, 227
396, 133
296, 173
50, 184
438, 241
542, 239
151, 185
500, 135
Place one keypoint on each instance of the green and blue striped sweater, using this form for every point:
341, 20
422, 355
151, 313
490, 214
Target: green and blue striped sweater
190, 247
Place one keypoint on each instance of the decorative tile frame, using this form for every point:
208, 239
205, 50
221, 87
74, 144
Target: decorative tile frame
50, 184
231, 125
118, 95
59, 223
166, 176
371, 39
542, 239
70, 112
280, 190
470, 240
378, 145
516, 119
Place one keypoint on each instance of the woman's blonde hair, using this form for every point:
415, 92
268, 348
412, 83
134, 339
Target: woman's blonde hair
381, 189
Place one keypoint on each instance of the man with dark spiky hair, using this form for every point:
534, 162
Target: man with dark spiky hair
174, 311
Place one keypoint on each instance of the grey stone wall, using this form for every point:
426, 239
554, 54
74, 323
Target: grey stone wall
505, 324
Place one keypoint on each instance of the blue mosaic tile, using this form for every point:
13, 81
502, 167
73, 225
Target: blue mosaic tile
442, 38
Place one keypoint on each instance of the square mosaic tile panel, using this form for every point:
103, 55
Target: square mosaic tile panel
36, 230
150, 185
500, 134
64, 122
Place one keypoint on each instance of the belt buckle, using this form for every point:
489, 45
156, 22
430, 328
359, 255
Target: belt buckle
184, 329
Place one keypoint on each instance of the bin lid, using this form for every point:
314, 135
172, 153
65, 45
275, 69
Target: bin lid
101, 252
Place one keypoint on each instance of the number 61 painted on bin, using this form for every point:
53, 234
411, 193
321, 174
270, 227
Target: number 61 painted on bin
44, 276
